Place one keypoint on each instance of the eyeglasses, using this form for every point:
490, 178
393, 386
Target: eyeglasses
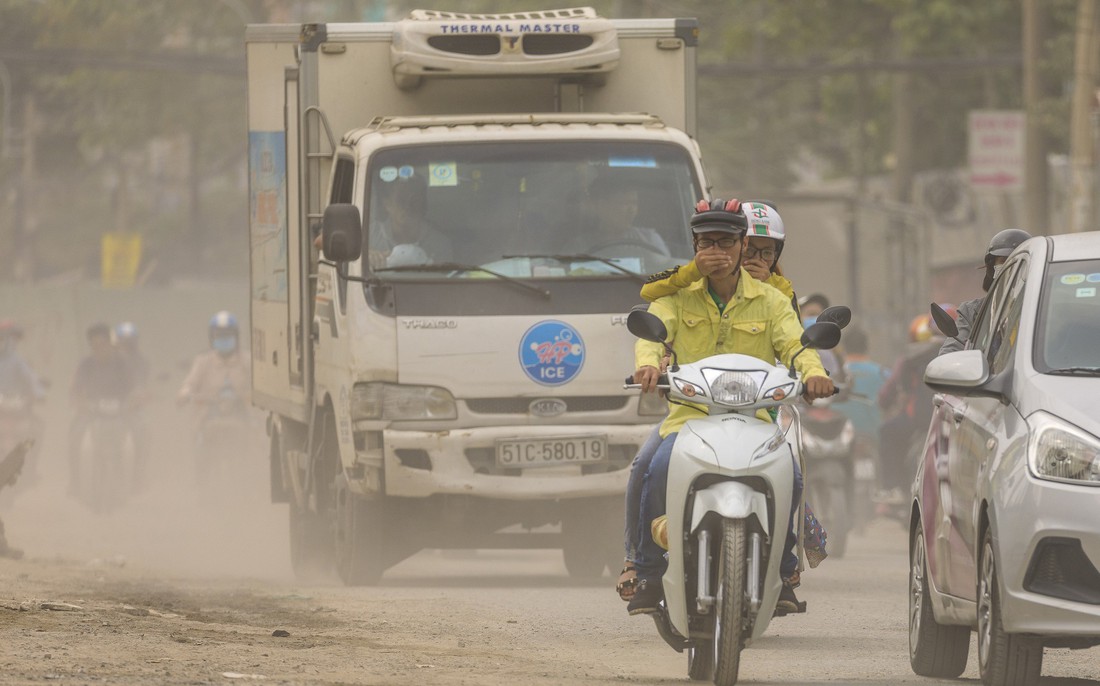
766, 254
723, 243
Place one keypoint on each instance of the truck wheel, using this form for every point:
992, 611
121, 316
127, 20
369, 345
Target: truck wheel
730, 601
935, 650
1003, 659
310, 553
360, 538
592, 539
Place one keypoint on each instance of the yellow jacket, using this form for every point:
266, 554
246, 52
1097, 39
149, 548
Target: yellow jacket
671, 280
758, 322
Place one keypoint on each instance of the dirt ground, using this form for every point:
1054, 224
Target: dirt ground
179, 587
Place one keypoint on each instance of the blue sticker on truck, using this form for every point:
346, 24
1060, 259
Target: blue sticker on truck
551, 353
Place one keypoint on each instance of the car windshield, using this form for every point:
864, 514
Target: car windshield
1069, 319
529, 209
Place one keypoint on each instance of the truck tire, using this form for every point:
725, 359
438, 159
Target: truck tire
310, 552
1004, 659
360, 544
730, 604
935, 650
592, 537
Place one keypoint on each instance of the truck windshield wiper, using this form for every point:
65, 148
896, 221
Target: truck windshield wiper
587, 258
456, 267
1076, 371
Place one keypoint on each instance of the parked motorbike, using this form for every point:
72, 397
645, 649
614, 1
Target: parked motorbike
106, 460
828, 449
730, 483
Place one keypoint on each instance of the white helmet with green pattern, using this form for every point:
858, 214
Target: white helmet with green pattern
764, 221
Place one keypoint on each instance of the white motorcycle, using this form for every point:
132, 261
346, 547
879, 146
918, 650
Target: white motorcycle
730, 484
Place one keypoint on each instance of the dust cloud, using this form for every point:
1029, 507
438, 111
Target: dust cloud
172, 526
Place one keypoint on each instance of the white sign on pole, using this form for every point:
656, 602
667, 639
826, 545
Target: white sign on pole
996, 150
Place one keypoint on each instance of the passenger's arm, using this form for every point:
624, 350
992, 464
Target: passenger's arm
670, 280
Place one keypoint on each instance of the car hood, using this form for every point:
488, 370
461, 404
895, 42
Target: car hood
1070, 398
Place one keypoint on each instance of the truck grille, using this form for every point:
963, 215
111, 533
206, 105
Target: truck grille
1060, 569
607, 403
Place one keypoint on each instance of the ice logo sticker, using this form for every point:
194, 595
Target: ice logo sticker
551, 353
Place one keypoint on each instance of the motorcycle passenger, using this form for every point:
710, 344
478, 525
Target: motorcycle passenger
20, 388
761, 260
907, 402
726, 312
126, 340
220, 371
1000, 247
810, 307
101, 376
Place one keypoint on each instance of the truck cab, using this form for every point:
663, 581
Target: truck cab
489, 193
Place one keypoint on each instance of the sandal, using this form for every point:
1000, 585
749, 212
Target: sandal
628, 579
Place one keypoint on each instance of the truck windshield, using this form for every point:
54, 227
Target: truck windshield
529, 209
1069, 319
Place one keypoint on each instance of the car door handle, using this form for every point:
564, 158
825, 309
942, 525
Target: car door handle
958, 415
937, 400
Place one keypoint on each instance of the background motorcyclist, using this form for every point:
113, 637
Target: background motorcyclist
20, 388
907, 403
1000, 247
221, 370
738, 310
126, 341
102, 375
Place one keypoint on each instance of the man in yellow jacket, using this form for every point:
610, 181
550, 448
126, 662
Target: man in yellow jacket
726, 312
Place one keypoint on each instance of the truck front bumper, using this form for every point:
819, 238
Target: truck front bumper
419, 464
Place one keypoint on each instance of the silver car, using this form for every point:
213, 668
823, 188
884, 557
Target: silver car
1005, 527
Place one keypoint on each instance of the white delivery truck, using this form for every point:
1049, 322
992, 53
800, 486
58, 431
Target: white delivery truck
489, 191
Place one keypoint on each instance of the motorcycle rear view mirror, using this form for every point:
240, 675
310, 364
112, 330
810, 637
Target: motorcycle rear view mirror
646, 326
649, 327
821, 336
841, 315
944, 322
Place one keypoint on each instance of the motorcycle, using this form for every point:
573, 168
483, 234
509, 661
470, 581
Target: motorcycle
828, 448
107, 472
730, 484
225, 437
18, 424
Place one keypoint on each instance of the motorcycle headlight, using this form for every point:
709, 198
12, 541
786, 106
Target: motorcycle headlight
1061, 452
397, 402
733, 387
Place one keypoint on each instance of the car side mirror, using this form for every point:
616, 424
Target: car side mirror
342, 233
966, 373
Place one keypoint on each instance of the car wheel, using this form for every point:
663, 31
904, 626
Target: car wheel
1003, 659
935, 650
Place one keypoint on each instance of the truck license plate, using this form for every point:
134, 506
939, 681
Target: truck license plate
544, 452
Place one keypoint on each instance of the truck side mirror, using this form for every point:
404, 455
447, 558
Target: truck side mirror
342, 233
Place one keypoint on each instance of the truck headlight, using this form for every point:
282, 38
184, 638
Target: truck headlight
731, 387
396, 402
1062, 452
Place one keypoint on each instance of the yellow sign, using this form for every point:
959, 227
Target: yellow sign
121, 256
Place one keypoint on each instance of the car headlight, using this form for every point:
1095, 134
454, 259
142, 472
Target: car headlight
1062, 452
396, 402
732, 387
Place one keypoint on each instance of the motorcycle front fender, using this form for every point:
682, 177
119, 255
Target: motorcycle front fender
730, 500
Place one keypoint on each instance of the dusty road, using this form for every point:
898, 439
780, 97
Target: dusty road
176, 588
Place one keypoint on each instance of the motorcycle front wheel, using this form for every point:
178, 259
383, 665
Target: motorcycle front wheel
731, 601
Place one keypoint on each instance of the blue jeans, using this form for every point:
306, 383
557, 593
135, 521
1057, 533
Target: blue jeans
638, 469
650, 561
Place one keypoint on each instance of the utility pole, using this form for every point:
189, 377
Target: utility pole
1036, 177
1081, 142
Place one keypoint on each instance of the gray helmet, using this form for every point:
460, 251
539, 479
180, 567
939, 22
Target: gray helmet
1004, 243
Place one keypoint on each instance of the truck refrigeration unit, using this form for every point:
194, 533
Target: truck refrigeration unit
451, 216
